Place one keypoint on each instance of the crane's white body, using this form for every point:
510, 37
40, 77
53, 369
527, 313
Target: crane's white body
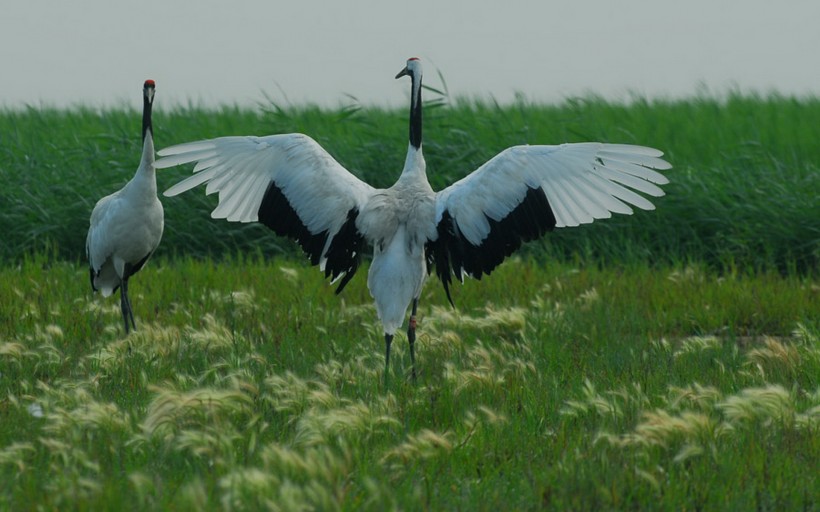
398, 222
126, 226
466, 229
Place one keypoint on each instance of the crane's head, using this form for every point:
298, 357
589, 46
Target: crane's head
413, 68
148, 90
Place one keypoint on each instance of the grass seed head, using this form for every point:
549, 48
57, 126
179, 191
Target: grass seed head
767, 404
697, 345
693, 395
172, 410
17, 454
353, 421
422, 445
776, 358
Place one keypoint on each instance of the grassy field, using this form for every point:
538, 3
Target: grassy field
668, 360
250, 385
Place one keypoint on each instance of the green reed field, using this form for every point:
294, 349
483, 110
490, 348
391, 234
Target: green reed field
743, 190
665, 361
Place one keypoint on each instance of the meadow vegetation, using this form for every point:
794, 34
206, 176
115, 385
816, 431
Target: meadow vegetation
665, 361
743, 191
249, 385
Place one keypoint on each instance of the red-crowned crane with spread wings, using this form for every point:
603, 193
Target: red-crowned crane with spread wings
291, 184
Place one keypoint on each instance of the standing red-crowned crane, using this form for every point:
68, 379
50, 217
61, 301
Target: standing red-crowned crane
126, 226
292, 185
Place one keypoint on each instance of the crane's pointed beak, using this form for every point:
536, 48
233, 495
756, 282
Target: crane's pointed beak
403, 72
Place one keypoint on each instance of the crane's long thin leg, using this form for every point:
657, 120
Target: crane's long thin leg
388, 339
125, 305
411, 337
131, 314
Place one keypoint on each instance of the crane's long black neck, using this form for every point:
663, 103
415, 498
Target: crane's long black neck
415, 112
146, 116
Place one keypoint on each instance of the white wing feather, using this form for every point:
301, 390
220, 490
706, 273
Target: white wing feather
240, 169
582, 182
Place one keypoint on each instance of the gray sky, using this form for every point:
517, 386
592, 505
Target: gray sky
98, 52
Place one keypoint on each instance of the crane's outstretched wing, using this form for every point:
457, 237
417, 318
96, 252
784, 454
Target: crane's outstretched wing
287, 182
525, 191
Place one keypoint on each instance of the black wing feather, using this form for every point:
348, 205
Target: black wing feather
344, 253
455, 255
